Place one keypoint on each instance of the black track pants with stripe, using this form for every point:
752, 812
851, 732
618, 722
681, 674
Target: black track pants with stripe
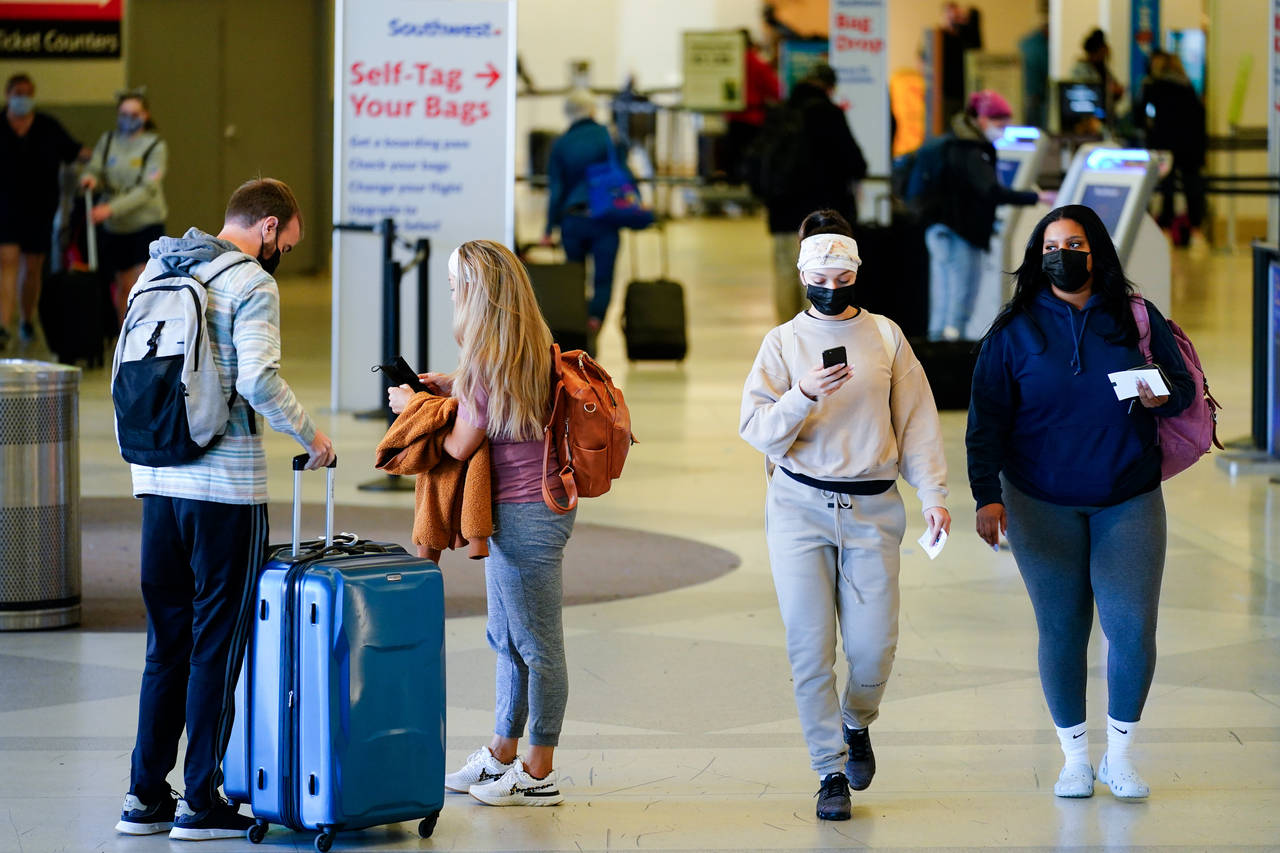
199, 561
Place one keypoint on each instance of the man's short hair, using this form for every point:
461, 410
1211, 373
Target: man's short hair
823, 75
1095, 41
255, 200
16, 79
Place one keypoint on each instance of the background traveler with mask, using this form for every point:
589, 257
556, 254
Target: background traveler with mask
1073, 475
959, 207
813, 163
128, 166
836, 439
584, 144
33, 146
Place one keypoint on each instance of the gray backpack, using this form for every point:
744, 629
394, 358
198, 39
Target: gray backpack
168, 397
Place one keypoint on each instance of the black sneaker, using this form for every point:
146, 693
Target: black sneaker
138, 818
833, 798
222, 820
861, 766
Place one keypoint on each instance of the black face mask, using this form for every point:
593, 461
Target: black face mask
1068, 269
829, 301
271, 261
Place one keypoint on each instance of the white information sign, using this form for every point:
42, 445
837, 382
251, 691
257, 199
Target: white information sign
859, 53
424, 134
715, 66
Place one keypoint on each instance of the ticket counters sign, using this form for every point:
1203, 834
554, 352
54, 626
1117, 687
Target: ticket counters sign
859, 53
424, 135
60, 29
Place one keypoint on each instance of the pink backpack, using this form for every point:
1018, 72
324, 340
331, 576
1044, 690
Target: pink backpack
1186, 437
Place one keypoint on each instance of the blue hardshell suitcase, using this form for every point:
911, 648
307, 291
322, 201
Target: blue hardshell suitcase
340, 716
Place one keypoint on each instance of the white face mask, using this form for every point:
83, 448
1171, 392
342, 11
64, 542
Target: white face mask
994, 133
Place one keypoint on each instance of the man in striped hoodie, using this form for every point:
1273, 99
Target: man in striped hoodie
204, 524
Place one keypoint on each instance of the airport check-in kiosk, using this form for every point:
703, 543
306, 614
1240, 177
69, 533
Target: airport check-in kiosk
1019, 153
1117, 183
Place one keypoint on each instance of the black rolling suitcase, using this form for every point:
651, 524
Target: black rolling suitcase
561, 291
894, 277
949, 367
653, 315
76, 311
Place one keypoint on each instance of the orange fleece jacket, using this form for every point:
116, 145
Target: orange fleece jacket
453, 506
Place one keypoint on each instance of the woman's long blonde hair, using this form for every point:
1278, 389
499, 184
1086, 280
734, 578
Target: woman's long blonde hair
505, 343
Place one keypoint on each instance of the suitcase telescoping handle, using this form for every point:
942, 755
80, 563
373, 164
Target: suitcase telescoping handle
299, 465
90, 232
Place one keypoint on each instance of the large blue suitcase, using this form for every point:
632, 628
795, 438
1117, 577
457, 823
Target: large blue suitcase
340, 715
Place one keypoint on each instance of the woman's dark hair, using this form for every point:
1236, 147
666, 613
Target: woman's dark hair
17, 79
825, 222
1109, 283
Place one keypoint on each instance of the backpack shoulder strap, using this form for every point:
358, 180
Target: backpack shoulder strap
1140, 316
565, 474
142, 170
787, 331
886, 339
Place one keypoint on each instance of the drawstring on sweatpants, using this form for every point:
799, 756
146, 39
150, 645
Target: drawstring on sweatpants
838, 502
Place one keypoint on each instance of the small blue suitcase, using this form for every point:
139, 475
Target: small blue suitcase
340, 715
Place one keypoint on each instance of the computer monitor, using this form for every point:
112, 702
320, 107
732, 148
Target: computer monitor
1108, 202
1081, 106
1006, 170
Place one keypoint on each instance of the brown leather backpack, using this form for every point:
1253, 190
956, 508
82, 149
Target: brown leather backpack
590, 427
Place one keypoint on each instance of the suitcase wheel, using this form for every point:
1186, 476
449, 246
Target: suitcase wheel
428, 825
324, 841
257, 832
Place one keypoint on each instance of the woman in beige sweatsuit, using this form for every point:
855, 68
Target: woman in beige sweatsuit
836, 440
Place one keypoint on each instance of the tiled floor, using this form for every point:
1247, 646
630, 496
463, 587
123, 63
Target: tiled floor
682, 733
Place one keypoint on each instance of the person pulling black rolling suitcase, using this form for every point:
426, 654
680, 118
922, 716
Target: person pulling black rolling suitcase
75, 306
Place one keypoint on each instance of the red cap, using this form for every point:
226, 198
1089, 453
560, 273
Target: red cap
990, 104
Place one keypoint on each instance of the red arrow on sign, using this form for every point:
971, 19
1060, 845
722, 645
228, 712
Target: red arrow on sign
492, 75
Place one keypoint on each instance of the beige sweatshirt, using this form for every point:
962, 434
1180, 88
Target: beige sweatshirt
879, 424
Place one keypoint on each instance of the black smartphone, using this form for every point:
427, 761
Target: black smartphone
401, 373
834, 356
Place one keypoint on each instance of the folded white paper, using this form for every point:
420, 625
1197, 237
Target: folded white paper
933, 549
1125, 382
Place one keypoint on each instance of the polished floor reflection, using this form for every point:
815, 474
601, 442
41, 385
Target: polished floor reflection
682, 734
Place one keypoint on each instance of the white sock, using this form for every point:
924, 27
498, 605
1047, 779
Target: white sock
1075, 744
1119, 739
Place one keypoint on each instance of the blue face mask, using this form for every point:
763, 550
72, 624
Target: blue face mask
129, 125
21, 105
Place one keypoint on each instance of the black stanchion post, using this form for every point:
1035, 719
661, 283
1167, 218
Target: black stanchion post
424, 303
391, 272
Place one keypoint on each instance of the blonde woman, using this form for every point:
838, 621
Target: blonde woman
503, 386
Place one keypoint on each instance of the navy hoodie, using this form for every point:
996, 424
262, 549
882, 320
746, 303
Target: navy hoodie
1044, 414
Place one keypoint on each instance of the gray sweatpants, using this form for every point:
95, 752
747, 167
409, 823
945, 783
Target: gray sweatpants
525, 590
835, 562
1072, 556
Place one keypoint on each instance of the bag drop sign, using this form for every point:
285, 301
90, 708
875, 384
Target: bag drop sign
424, 135
858, 52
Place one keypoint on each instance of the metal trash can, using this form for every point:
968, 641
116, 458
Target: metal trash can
39, 495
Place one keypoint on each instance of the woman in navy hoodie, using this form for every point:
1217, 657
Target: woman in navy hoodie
1073, 475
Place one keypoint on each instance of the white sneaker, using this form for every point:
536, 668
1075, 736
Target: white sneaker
1075, 781
481, 767
518, 788
1123, 780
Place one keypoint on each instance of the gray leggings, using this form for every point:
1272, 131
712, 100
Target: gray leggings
525, 594
1071, 556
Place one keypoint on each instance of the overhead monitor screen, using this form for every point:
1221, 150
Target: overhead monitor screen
1108, 202
1006, 170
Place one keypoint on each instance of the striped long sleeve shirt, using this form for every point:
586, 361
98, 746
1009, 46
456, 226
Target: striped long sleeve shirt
244, 331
